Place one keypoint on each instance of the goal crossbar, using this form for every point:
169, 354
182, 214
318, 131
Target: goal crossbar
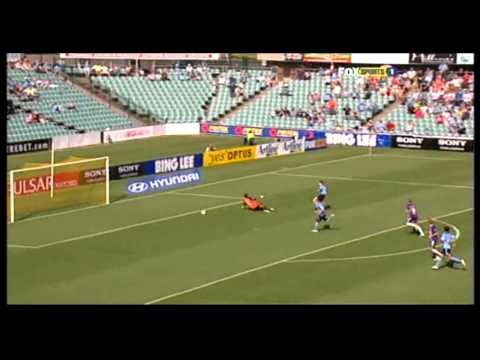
75, 162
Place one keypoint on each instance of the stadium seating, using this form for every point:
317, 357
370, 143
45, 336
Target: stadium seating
90, 114
425, 126
262, 112
223, 103
177, 100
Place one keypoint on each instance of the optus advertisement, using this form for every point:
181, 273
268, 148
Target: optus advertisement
227, 156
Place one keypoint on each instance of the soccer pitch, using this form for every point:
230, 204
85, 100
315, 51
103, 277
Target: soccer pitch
159, 249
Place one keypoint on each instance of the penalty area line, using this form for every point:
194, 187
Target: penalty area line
379, 256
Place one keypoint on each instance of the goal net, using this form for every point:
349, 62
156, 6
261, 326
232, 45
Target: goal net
70, 183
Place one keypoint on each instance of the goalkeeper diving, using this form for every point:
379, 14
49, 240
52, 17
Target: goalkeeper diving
254, 204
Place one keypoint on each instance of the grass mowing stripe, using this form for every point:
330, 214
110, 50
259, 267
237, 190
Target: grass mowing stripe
377, 181
154, 221
379, 256
192, 187
207, 195
290, 258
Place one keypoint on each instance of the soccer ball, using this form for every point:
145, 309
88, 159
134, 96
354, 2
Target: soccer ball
203, 212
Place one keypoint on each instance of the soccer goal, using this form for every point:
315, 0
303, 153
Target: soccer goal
67, 184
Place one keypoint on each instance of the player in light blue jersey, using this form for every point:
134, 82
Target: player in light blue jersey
448, 240
320, 214
322, 192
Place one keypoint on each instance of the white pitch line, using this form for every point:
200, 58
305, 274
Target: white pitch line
357, 257
288, 259
21, 246
399, 253
419, 157
190, 188
377, 181
154, 221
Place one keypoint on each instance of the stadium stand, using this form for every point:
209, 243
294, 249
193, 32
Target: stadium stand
184, 95
60, 107
440, 107
316, 103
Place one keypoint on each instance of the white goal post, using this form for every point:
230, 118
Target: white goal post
76, 182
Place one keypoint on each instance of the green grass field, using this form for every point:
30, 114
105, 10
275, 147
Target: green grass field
159, 249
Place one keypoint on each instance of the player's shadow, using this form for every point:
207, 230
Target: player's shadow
452, 266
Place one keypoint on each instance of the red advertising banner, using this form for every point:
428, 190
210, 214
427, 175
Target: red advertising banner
141, 56
128, 134
327, 58
43, 183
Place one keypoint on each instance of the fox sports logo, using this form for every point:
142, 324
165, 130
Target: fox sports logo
137, 187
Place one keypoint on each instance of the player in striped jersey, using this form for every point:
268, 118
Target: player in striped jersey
322, 192
320, 214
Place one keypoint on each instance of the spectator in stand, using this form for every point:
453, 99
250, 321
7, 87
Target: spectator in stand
362, 107
391, 126
71, 106
337, 90
409, 127
347, 111
355, 116
189, 69
451, 121
380, 126
57, 108
419, 114
465, 114
462, 130
442, 68
332, 106
31, 92
29, 118
164, 76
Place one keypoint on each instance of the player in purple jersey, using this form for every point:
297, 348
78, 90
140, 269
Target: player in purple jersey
433, 239
412, 218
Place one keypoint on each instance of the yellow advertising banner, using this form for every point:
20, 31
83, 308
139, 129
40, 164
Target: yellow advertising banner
227, 156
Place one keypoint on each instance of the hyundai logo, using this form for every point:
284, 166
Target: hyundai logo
137, 187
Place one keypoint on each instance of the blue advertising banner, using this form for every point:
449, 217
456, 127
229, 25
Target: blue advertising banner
158, 183
352, 139
384, 140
